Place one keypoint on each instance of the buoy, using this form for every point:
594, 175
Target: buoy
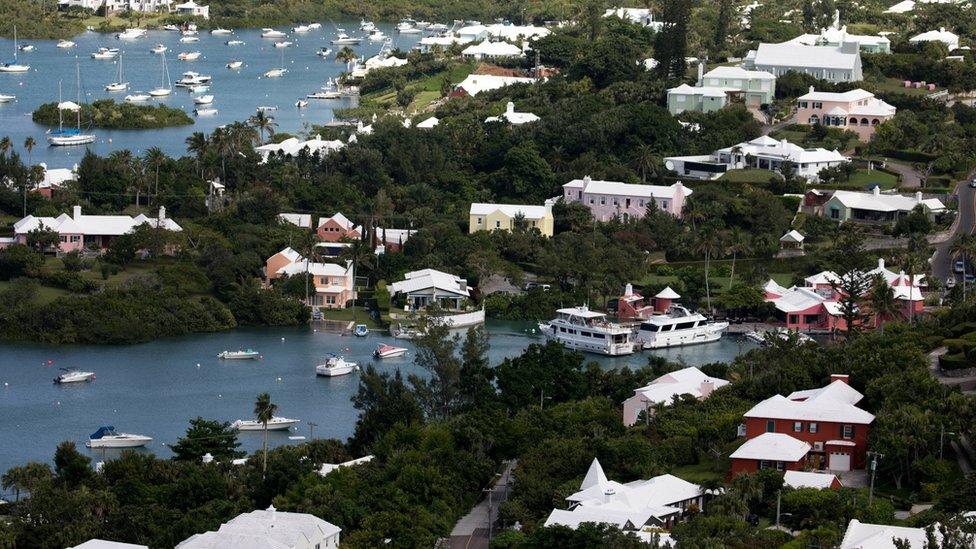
282, 339
279, 380
50, 362
109, 139
58, 403
198, 364
219, 396
5, 384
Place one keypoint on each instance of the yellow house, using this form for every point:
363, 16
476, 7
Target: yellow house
489, 217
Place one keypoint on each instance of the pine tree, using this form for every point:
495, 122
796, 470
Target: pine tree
671, 43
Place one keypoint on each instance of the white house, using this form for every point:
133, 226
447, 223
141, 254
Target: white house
193, 9
78, 231
810, 479
950, 40
641, 16
876, 207
663, 390
429, 286
474, 84
761, 153
492, 50
292, 147
270, 529
428, 123
105, 544
329, 467
836, 34
834, 64
638, 506
297, 219
862, 535
512, 117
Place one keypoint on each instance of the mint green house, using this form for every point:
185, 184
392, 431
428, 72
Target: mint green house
720, 86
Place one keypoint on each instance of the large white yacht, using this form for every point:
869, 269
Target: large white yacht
678, 326
275, 424
581, 329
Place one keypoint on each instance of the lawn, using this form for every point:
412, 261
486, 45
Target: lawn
750, 175
708, 469
362, 317
427, 89
894, 85
45, 294
867, 177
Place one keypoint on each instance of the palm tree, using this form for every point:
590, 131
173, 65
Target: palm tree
695, 212
262, 123
709, 244
155, 157
345, 54
736, 243
5, 146
29, 145
648, 162
265, 410
883, 302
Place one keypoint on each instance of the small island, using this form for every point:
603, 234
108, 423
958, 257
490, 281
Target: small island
108, 114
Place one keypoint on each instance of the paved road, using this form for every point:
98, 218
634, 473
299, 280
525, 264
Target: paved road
471, 532
965, 224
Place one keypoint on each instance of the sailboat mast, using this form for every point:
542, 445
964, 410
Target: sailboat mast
78, 71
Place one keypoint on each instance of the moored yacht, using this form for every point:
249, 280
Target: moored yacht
581, 329
159, 48
335, 366
65, 44
301, 29
271, 33
220, 30
275, 424
6, 98
106, 53
235, 42
106, 437
203, 100
188, 56
234, 65
191, 78
137, 97
678, 326
70, 375
243, 354
14, 66
131, 34
376, 35
389, 351
343, 39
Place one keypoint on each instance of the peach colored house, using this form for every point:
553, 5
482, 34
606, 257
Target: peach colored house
80, 232
856, 110
611, 199
332, 285
338, 227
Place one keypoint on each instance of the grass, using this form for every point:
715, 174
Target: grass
45, 294
894, 85
698, 473
362, 317
865, 177
427, 89
750, 175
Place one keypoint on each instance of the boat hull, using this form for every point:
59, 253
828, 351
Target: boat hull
326, 371
257, 426
70, 140
678, 338
133, 441
606, 349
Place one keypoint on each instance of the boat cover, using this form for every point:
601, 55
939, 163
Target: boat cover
102, 431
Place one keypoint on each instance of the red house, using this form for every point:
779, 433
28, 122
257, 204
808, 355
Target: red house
633, 306
338, 227
825, 419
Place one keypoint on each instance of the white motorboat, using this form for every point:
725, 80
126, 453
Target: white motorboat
315, 26
763, 337
4, 98
300, 29
235, 42
106, 437
267, 108
275, 73
389, 351
27, 48
376, 35
677, 327
199, 88
324, 52
172, 28
190, 30
403, 331
188, 56
65, 44
271, 33
203, 100
69, 375
755, 336
324, 95
366, 26
131, 34
581, 329
192, 78
406, 25
138, 97
120, 84
243, 354
274, 424
283, 44
234, 65
106, 53
411, 30
361, 330
14, 66
301, 104
422, 24
343, 39
220, 31
65, 137
205, 112
335, 366
165, 86
159, 48
189, 39
436, 27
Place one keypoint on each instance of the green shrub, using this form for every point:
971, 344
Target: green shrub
957, 361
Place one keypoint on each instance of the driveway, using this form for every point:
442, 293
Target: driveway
909, 175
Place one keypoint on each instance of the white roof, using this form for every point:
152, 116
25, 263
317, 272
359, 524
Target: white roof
842, 97
794, 299
904, 6
329, 467
591, 186
772, 447
836, 390
316, 269
426, 279
774, 288
513, 117
667, 293
291, 254
813, 409
789, 54
738, 72
340, 219
861, 535
707, 91
793, 236
428, 123
265, 529
477, 83
300, 220
104, 225
804, 479
69, 106
292, 146
768, 147
493, 49
510, 210
687, 381
55, 177
940, 35
394, 236
834, 35
105, 544
880, 202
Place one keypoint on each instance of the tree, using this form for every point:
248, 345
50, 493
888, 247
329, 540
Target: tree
883, 302
725, 16
29, 144
263, 123
709, 244
42, 238
72, 468
346, 54
383, 400
25, 477
736, 243
542, 373
264, 411
671, 42
155, 157
965, 246
204, 436
476, 375
436, 354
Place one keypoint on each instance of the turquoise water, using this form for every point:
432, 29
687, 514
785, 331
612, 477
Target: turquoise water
237, 93
156, 388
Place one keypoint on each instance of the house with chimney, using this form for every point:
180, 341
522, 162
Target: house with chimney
818, 429
79, 232
432, 290
332, 285
640, 507
762, 153
721, 86
612, 199
663, 390
875, 207
270, 529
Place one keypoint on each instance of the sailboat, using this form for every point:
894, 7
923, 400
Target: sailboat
164, 88
120, 84
13, 66
280, 71
65, 137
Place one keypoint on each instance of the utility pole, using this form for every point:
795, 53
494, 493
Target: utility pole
875, 456
779, 493
311, 430
490, 492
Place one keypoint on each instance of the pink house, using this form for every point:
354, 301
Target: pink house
338, 227
332, 285
857, 110
80, 232
611, 199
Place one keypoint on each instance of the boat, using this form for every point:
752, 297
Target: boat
436, 27
106, 53
235, 65
243, 354
70, 375
189, 39
203, 100
360, 330
366, 26
301, 104
755, 337
389, 351
220, 30
206, 111
324, 52
159, 48
280, 71
235, 42
138, 97
189, 31
120, 84
301, 29
27, 48
763, 337
283, 44
678, 326
192, 78
188, 56
199, 88
376, 35
274, 424
131, 34
343, 39
71, 136
4, 98
171, 28
405, 25
315, 26
271, 33
164, 88
14, 66
581, 329
411, 30
329, 91
335, 366
65, 44
422, 24
267, 108
106, 437
402, 331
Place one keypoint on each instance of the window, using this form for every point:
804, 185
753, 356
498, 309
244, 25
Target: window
817, 105
664, 204
498, 224
64, 238
641, 202
763, 464
847, 432
603, 200
615, 203
794, 319
797, 426
770, 426
780, 466
803, 104
812, 427
75, 238
834, 213
330, 300
479, 221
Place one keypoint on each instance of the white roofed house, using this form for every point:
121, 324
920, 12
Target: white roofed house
492, 50
268, 529
951, 40
391, 240
429, 288
292, 147
79, 232
720, 86
663, 390
832, 63
836, 34
193, 9
332, 285
640, 507
504, 217
612, 199
512, 117
857, 110
877, 207
297, 219
641, 16
763, 153
474, 84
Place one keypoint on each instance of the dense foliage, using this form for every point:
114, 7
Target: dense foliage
106, 113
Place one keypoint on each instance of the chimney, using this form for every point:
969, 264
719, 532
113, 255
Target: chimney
162, 213
274, 512
509, 108
706, 388
608, 494
76, 213
876, 190
881, 263
840, 377
586, 180
701, 73
811, 89
918, 196
628, 290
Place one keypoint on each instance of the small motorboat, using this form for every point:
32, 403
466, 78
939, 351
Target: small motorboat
315, 26
755, 337
243, 354
324, 95
324, 52
301, 29
106, 53
191, 78
235, 42
188, 56
65, 44
14, 67
199, 88
234, 65
401, 331
203, 100
301, 104
267, 108
205, 112
117, 86
389, 351
189, 31
4, 98
131, 34
274, 424
366, 26
283, 44
27, 48
220, 30
172, 28
159, 48
106, 437
343, 39
376, 35
138, 97
189, 39
271, 33
360, 330
436, 27
275, 73
69, 375
335, 366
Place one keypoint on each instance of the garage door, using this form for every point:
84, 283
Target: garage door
840, 461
